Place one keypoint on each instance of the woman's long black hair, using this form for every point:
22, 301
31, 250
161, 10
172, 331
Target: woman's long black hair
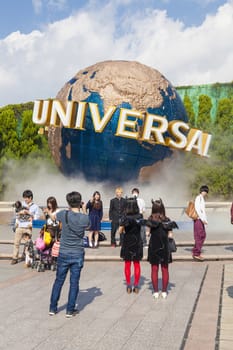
158, 209
131, 206
97, 204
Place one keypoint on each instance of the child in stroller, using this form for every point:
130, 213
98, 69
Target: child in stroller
28, 251
54, 227
43, 260
47, 250
47, 255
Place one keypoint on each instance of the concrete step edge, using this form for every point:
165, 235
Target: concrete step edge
209, 257
178, 243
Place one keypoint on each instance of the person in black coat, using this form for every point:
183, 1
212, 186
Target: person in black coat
132, 245
116, 210
158, 250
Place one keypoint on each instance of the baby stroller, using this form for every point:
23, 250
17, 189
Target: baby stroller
43, 244
55, 253
55, 246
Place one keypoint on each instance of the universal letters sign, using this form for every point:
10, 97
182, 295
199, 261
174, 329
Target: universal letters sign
52, 113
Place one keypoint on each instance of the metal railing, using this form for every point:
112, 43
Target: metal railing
175, 212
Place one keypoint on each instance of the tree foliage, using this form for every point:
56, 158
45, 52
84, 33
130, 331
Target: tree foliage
203, 117
19, 138
216, 171
190, 110
9, 142
224, 115
30, 140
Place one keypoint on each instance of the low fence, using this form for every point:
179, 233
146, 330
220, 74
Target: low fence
106, 225
175, 212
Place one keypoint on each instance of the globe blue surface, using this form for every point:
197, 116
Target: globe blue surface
104, 156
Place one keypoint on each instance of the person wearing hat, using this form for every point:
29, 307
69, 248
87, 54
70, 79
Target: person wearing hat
200, 223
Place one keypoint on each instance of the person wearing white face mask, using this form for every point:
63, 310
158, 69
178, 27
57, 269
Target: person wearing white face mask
142, 209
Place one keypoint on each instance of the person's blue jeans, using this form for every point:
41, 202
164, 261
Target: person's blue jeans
67, 262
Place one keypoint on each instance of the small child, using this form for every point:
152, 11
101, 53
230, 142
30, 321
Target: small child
21, 214
28, 249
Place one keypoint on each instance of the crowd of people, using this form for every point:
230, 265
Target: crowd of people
127, 216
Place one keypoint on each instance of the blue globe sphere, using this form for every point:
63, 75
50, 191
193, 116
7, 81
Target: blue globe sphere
104, 156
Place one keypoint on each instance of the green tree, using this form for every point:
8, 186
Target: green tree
9, 142
216, 171
224, 115
30, 140
189, 109
19, 139
203, 117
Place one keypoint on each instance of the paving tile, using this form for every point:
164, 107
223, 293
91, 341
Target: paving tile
117, 320
225, 345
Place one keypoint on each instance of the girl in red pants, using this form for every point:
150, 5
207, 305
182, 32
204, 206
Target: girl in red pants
158, 250
132, 245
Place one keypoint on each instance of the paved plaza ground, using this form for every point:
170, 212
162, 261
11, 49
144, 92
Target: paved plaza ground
197, 314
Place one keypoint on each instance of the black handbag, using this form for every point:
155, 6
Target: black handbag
172, 245
102, 237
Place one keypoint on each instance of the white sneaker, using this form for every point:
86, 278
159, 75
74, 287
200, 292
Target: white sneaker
156, 295
164, 295
90, 244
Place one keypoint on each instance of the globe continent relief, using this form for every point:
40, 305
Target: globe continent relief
104, 156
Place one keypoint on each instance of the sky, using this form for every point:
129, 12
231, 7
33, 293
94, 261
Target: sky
44, 43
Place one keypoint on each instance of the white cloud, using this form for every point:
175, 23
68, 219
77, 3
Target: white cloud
37, 65
54, 5
193, 55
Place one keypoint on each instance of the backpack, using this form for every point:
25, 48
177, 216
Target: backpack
46, 236
190, 210
40, 244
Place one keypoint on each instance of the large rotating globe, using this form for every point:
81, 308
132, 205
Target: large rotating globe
104, 156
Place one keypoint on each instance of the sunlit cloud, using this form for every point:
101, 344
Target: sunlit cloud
55, 5
36, 65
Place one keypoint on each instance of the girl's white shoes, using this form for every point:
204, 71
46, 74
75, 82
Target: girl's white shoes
157, 294
164, 295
